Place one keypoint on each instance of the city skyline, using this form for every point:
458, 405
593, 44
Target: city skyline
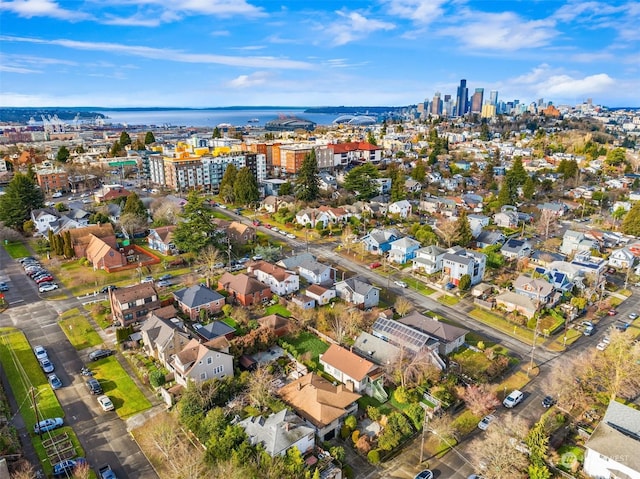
392, 52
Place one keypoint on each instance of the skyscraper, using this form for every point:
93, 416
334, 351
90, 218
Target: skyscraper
462, 99
493, 97
476, 100
436, 104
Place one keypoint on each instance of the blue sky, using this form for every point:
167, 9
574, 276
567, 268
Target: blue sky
205, 53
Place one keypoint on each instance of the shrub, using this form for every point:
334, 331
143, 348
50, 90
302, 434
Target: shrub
345, 432
374, 457
156, 378
401, 395
364, 444
351, 422
481, 346
373, 413
355, 435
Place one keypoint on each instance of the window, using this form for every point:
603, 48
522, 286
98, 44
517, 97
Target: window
203, 376
218, 369
209, 360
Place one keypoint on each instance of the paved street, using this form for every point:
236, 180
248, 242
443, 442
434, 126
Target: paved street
103, 436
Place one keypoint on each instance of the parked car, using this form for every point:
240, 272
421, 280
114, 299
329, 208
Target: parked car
44, 279
268, 226
165, 277
633, 316
276, 229
108, 288
106, 472
99, 354
164, 283
4, 286
621, 326
375, 265
485, 421
426, 474
54, 381
612, 312
218, 265
449, 286
46, 287
601, 346
548, 401
513, 399
105, 403
402, 284
40, 352
48, 425
46, 365
147, 279
67, 467
94, 386
589, 328
291, 236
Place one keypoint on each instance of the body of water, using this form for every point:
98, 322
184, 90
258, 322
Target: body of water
209, 118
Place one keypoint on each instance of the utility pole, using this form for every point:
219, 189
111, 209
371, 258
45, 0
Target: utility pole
229, 250
425, 423
35, 409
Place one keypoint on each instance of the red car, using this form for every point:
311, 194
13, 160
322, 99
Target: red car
268, 226
375, 265
44, 279
612, 312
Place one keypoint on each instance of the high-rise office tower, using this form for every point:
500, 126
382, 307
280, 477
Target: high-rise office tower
476, 100
493, 97
462, 99
447, 106
436, 104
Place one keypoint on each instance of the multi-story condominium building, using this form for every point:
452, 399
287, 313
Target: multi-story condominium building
342, 154
51, 180
292, 156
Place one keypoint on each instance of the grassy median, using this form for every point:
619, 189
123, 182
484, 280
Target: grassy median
78, 330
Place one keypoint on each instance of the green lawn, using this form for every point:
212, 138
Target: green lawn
448, 299
559, 344
384, 408
118, 385
419, 286
466, 423
78, 330
307, 342
16, 249
523, 334
278, 309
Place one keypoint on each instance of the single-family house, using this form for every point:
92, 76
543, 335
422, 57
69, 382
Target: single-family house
358, 292
197, 362
81, 237
281, 281
355, 371
102, 255
506, 219
42, 219
538, 290
403, 250
593, 266
163, 334
272, 203
511, 301
516, 249
276, 323
412, 186
322, 404
312, 216
293, 262
612, 449
133, 303
304, 301
450, 338
375, 349
161, 239
195, 299
279, 432
315, 272
378, 241
214, 330
457, 262
555, 209
321, 294
623, 258
428, 259
489, 238
545, 258
239, 233
573, 241
244, 289
401, 208
477, 222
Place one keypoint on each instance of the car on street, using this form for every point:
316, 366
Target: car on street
46, 365
40, 352
66, 468
46, 287
268, 226
47, 425
621, 326
105, 403
4, 286
633, 316
601, 346
449, 286
99, 354
108, 288
165, 277
612, 312
426, 474
164, 283
283, 232
94, 386
276, 229
291, 236
513, 399
375, 265
224, 207
147, 279
485, 421
54, 381
588, 328
218, 265
402, 284
548, 401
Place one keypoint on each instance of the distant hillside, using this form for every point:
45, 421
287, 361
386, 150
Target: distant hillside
352, 110
23, 115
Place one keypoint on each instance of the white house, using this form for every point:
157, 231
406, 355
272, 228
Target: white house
457, 262
622, 258
279, 280
477, 223
401, 208
612, 449
428, 259
358, 292
313, 217
196, 362
315, 272
279, 432
321, 294
573, 241
348, 367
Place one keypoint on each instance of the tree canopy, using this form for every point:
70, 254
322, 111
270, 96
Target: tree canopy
149, 138
631, 221
63, 154
196, 230
307, 186
245, 188
134, 206
21, 196
361, 181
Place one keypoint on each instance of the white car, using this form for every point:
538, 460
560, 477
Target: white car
40, 352
602, 346
484, 423
275, 229
105, 403
46, 287
57, 194
402, 284
513, 399
291, 236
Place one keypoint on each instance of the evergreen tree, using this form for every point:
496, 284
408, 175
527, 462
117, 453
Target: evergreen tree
116, 149
507, 194
419, 173
149, 138
135, 206
529, 188
63, 154
631, 221
396, 174
125, 139
371, 139
463, 230
485, 134
21, 196
229, 177
517, 171
216, 133
361, 180
67, 246
286, 189
196, 230
308, 183
246, 189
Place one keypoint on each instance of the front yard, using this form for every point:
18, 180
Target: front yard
78, 330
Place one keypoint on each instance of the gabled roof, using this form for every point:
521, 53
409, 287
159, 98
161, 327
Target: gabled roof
356, 285
97, 249
241, 283
405, 243
276, 433
347, 362
197, 295
193, 352
317, 400
213, 330
164, 232
82, 235
293, 262
376, 349
317, 290
400, 334
437, 329
132, 293
517, 299
278, 273
515, 245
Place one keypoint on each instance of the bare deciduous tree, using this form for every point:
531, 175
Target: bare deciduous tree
402, 305
480, 399
165, 211
409, 370
547, 223
24, 470
261, 388
447, 231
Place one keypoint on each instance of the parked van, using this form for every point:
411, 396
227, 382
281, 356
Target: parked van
513, 399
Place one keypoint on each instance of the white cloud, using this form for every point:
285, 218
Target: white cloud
419, 11
354, 26
41, 8
500, 31
250, 81
170, 54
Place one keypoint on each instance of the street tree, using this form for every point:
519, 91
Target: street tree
245, 188
196, 229
21, 196
208, 258
361, 181
63, 154
480, 399
307, 186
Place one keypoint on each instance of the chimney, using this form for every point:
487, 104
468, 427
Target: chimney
349, 386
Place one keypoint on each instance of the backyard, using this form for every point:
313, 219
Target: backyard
308, 343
